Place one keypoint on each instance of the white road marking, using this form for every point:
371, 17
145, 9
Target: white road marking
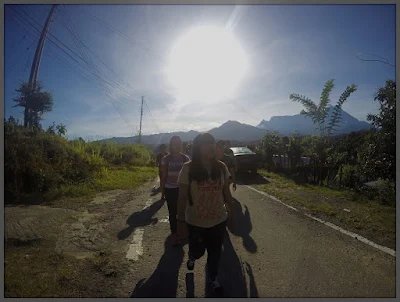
136, 247
333, 226
149, 202
165, 220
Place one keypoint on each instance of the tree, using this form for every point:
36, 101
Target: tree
35, 103
319, 113
294, 150
51, 129
271, 142
61, 129
379, 152
12, 120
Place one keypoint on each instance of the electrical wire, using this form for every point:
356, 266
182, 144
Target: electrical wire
371, 60
19, 59
98, 20
79, 44
126, 37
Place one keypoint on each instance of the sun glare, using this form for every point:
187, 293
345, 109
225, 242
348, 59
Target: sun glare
207, 64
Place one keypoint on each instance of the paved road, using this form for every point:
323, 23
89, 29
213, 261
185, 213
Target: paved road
275, 252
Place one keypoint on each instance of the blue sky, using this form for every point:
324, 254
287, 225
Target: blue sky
290, 48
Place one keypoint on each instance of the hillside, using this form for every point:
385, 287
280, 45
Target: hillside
238, 132
286, 125
230, 130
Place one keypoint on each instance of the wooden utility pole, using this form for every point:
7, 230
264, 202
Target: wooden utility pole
36, 60
140, 127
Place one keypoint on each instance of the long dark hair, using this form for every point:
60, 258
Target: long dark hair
198, 172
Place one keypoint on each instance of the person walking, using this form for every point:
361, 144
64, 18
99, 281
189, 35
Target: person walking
188, 150
203, 205
227, 160
171, 165
160, 155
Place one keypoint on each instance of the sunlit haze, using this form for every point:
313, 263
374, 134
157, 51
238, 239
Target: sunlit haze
197, 67
206, 64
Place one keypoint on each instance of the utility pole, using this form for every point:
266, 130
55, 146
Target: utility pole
36, 60
140, 127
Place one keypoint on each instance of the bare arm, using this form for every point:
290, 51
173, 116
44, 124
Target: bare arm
232, 171
182, 200
228, 198
163, 180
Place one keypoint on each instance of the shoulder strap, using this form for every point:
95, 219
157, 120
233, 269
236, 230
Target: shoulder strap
184, 157
190, 182
221, 165
167, 157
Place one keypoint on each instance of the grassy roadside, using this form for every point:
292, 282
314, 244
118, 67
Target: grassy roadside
109, 179
37, 271
346, 208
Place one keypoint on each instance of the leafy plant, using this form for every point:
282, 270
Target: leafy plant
319, 113
35, 103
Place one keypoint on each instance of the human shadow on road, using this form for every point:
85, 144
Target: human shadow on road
245, 178
243, 226
141, 219
189, 285
163, 283
155, 191
252, 282
232, 275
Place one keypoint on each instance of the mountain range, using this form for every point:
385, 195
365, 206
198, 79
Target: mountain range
238, 132
286, 125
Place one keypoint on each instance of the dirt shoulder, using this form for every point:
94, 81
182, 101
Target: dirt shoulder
343, 208
71, 249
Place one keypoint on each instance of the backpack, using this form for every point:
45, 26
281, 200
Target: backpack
221, 166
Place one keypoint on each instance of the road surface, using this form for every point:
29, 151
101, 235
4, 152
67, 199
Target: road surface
274, 251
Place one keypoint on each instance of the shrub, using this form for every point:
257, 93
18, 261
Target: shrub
40, 161
350, 175
384, 192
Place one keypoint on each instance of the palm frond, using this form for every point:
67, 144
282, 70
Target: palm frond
305, 101
337, 112
324, 102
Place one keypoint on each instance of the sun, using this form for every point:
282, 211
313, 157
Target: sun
207, 64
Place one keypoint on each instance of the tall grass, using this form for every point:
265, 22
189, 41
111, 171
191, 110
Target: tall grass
39, 162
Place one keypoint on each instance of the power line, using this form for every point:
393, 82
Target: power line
98, 20
73, 59
19, 42
60, 42
19, 58
385, 61
52, 36
152, 117
133, 42
108, 67
30, 24
79, 43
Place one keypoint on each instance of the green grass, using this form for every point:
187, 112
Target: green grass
38, 271
108, 179
125, 178
376, 220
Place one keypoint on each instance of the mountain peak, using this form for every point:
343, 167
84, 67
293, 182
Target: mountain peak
286, 125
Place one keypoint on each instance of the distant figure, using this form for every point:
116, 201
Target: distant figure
203, 206
229, 151
171, 165
188, 150
227, 160
163, 152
